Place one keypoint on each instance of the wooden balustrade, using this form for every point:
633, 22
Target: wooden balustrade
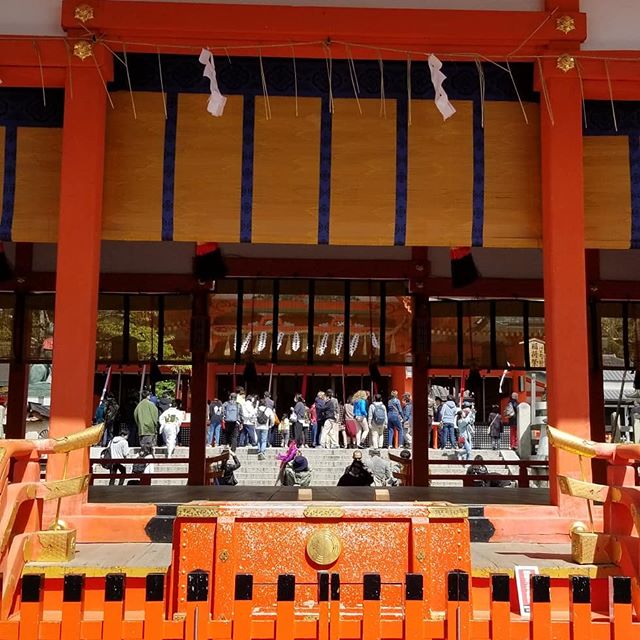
100, 473
523, 478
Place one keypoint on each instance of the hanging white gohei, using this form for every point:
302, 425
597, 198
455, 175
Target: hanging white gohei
437, 78
353, 343
262, 341
245, 343
374, 341
215, 105
337, 345
280, 339
323, 344
295, 342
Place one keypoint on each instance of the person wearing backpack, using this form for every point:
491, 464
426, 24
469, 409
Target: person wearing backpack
495, 427
215, 423
265, 419
116, 449
248, 432
377, 421
232, 414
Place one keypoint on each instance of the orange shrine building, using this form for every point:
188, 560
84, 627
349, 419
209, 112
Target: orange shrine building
335, 189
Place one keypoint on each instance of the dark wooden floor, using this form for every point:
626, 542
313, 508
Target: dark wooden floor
456, 495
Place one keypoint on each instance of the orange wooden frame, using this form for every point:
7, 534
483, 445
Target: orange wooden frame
219, 25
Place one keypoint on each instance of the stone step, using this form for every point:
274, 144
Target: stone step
327, 465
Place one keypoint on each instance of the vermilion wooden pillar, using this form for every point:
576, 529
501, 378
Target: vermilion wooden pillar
420, 381
19, 369
596, 384
78, 262
200, 336
565, 298
420, 328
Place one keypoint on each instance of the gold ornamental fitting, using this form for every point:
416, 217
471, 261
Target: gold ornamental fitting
90, 436
566, 62
324, 547
83, 49
83, 13
568, 442
566, 24
578, 527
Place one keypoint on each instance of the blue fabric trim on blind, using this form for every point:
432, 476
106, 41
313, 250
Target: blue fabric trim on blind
477, 228
402, 165
634, 167
169, 166
324, 192
246, 198
9, 188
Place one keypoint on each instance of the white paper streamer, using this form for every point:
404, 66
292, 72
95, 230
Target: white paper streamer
437, 78
353, 344
262, 342
244, 347
216, 103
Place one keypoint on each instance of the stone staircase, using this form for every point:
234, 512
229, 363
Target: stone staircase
327, 465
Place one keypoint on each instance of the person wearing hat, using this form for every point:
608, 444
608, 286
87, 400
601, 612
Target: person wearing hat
356, 474
297, 472
380, 469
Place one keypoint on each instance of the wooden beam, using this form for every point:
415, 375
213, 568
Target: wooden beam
21, 67
319, 268
40, 281
30, 77
143, 25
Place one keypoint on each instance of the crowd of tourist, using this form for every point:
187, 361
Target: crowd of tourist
151, 417
248, 420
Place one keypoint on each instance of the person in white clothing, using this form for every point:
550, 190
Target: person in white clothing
170, 422
265, 419
248, 432
118, 449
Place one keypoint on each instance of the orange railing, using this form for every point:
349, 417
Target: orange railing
100, 473
114, 611
24, 535
523, 478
